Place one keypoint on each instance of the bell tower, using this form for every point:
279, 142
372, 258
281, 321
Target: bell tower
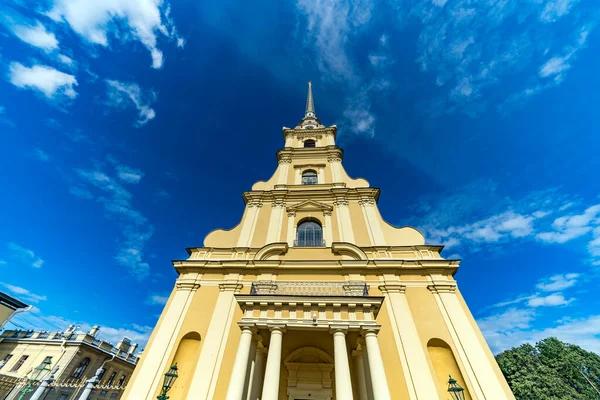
314, 295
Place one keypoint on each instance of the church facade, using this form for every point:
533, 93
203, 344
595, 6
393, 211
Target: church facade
314, 296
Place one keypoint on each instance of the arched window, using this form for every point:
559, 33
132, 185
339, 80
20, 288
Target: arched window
309, 234
309, 143
309, 178
78, 373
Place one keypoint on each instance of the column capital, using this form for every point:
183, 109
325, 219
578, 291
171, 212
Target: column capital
442, 288
276, 328
230, 286
393, 288
187, 284
333, 329
368, 330
248, 327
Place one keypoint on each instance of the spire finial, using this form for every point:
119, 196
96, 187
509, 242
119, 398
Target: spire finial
310, 105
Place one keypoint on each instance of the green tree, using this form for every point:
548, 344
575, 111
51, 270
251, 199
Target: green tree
551, 370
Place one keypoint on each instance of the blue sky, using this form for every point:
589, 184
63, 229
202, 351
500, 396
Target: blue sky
478, 119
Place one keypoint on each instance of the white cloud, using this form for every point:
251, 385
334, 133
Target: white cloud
24, 255
68, 61
128, 174
2, 110
569, 227
140, 20
125, 95
41, 154
24, 294
555, 9
551, 300
37, 36
51, 82
554, 66
117, 203
157, 299
558, 282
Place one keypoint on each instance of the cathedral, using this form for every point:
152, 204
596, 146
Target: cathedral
313, 295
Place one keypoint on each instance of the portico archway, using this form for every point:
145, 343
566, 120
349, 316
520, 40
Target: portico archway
309, 374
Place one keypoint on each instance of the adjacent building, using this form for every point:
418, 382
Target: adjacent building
9, 306
313, 295
75, 356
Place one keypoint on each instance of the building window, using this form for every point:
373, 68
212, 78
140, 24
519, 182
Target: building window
122, 380
5, 360
101, 375
309, 178
111, 378
309, 143
309, 234
78, 373
18, 364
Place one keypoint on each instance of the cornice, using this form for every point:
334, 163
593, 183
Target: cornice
319, 193
309, 132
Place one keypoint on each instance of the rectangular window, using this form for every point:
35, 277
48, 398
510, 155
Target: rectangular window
122, 380
19, 363
5, 360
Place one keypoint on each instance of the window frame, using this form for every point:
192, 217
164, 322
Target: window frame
309, 141
77, 373
307, 177
309, 238
19, 363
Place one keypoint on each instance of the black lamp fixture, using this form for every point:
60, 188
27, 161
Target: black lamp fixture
457, 392
170, 377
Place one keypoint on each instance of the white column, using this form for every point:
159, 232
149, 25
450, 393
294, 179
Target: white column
291, 228
343, 381
336, 172
478, 366
284, 167
344, 220
276, 221
155, 358
258, 375
249, 223
328, 229
369, 211
271, 383
361, 379
419, 380
204, 380
321, 175
240, 365
378, 379
250, 367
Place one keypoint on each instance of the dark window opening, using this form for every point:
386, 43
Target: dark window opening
309, 178
78, 373
309, 143
309, 234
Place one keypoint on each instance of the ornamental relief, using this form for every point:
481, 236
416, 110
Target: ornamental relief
333, 159
278, 203
341, 202
366, 202
255, 204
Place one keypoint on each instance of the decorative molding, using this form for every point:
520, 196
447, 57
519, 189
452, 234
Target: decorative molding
278, 203
366, 202
333, 159
187, 284
255, 203
366, 329
285, 160
393, 288
327, 213
341, 202
442, 288
291, 214
270, 250
309, 205
348, 249
230, 286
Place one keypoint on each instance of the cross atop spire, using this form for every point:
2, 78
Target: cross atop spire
310, 104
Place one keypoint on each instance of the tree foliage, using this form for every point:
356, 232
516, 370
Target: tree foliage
551, 370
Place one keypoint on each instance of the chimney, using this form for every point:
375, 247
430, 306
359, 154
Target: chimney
132, 349
94, 331
124, 344
70, 329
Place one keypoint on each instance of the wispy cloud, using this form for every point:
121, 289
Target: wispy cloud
519, 320
41, 154
117, 203
23, 255
47, 80
128, 174
157, 299
36, 35
140, 20
24, 294
460, 221
127, 94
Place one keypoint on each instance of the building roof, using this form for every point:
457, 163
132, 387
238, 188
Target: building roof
11, 302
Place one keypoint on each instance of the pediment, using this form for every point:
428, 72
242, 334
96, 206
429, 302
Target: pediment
310, 205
